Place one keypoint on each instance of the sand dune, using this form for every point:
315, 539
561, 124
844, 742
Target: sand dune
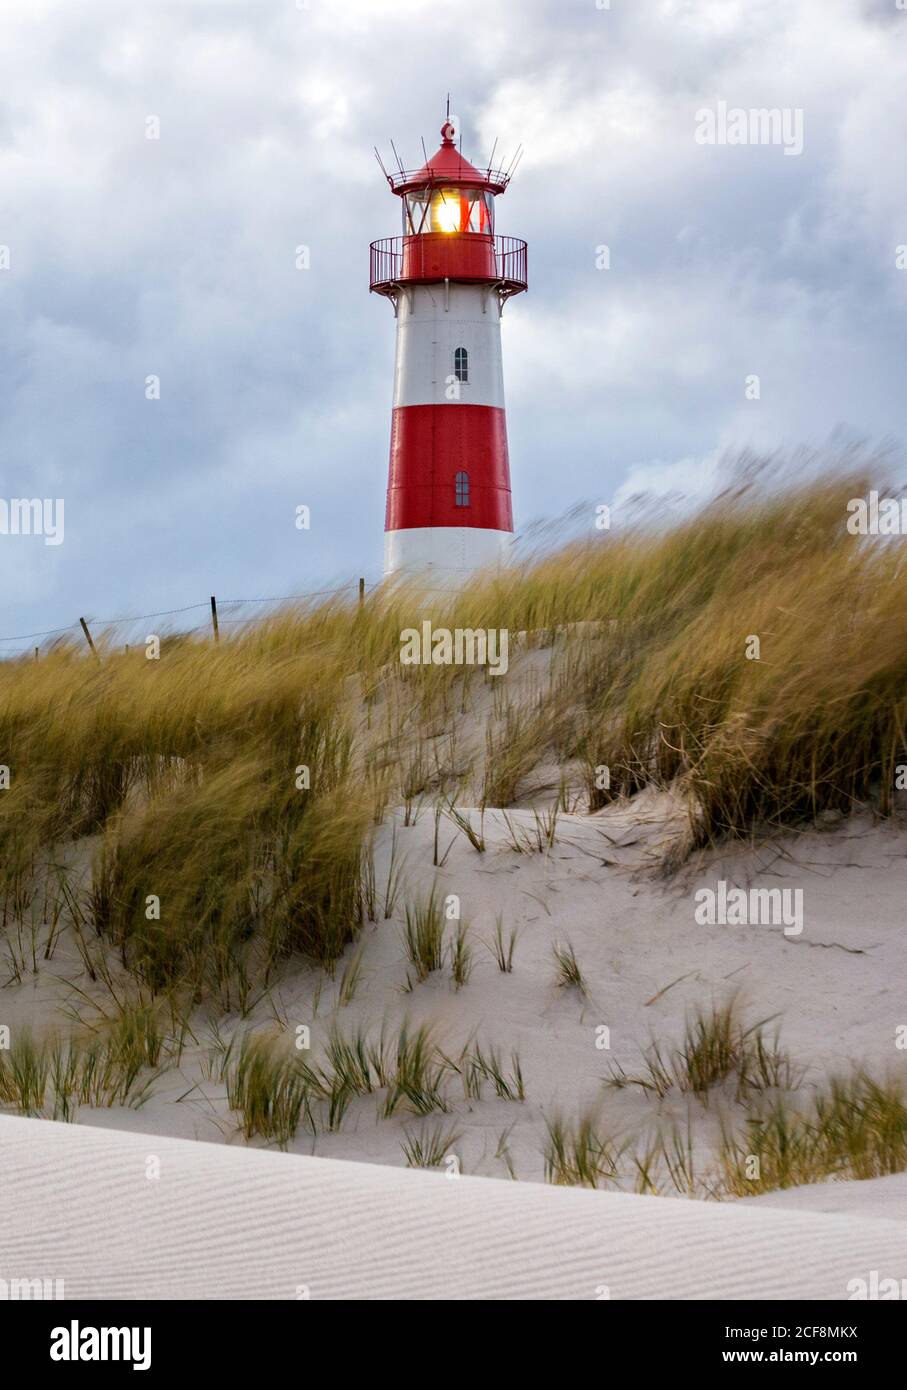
223, 1222
835, 989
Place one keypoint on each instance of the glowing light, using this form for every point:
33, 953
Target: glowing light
445, 210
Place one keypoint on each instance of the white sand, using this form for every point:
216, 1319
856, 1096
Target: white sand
219, 1222
839, 990
634, 937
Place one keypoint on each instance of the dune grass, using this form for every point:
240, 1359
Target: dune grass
775, 1132
269, 1086
275, 1088
430, 1147
648, 631
852, 1127
460, 953
568, 974
54, 1075
717, 1046
502, 949
583, 1154
423, 934
226, 795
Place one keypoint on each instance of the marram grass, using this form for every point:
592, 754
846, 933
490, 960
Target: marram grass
230, 791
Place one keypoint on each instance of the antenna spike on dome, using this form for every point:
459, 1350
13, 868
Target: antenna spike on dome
518, 151
397, 157
381, 164
491, 156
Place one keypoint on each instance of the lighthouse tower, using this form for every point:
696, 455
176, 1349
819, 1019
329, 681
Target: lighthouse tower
448, 277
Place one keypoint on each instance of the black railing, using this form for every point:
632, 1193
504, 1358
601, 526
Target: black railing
386, 261
510, 260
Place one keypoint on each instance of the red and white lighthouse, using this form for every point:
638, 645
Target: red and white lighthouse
448, 277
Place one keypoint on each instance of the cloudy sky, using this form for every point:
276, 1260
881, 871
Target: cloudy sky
176, 257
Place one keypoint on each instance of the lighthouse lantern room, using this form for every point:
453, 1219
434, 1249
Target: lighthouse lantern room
448, 276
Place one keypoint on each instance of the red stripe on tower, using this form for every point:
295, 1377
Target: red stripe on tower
449, 276
449, 468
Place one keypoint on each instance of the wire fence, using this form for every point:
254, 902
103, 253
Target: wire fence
213, 606
212, 623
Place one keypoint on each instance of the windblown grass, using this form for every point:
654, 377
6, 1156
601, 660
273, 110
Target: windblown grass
54, 1076
460, 951
215, 859
716, 1046
477, 1065
503, 950
581, 1154
270, 1088
275, 1088
423, 934
854, 1127
568, 973
851, 1128
430, 1147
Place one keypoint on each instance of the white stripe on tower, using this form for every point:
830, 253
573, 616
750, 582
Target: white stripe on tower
432, 323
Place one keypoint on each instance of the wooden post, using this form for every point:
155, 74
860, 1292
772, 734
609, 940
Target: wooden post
94, 650
36, 653
214, 618
361, 591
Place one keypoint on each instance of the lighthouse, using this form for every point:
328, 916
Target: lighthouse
448, 277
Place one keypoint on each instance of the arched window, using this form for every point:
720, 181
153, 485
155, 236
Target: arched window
461, 490
461, 364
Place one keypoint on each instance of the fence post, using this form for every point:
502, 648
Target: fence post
94, 650
361, 591
214, 618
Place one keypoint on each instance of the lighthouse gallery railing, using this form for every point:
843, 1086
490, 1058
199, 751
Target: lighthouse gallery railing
387, 263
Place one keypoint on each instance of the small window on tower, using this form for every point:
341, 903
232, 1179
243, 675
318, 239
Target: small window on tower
461, 365
461, 489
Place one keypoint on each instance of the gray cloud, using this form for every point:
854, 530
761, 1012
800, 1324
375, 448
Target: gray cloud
132, 257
